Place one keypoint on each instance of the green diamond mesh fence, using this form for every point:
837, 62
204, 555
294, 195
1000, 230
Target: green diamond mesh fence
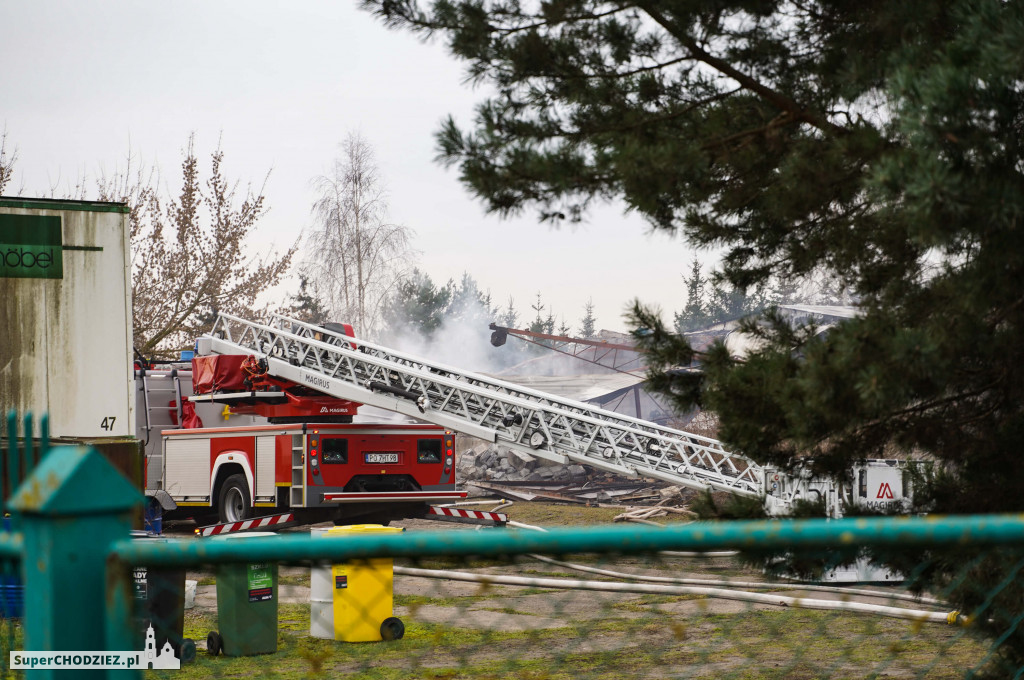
597, 602
697, 600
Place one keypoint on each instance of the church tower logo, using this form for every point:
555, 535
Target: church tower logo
165, 659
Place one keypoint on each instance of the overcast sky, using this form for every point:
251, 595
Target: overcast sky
281, 84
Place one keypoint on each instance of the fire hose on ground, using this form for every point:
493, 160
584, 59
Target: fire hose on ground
705, 587
719, 593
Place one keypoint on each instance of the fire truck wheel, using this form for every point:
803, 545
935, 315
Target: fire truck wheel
235, 504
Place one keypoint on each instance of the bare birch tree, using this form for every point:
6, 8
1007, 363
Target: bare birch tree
7, 160
189, 253
355, 256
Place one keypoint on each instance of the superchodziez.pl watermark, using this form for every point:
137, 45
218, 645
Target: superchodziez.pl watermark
150, 657
75, 660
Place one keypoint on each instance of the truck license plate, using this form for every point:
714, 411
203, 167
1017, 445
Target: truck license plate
378, 458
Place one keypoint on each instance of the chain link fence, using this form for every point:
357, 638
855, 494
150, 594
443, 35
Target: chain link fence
773, 599
600, 603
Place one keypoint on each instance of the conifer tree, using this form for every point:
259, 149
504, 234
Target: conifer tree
588, 324
538, 325
509, 317
417, 306
878, 142
307, 304
695, 314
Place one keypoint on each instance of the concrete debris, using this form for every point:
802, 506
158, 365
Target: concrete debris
522, 461
671, 493
577, 472
520, 476
644, 515
544, 473
522, 493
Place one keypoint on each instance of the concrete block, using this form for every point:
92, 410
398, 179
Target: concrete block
521, 461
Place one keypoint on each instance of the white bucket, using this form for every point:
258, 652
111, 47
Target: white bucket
321, 597
190, 594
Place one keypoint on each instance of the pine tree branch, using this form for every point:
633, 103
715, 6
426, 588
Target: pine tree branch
559, 22
393, 14
777, 99
619, 75
905, 414
582, 132
779, 121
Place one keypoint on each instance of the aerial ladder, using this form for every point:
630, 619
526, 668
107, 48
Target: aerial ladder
540, 424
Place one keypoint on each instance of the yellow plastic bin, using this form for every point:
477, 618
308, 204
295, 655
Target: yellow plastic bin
354, 601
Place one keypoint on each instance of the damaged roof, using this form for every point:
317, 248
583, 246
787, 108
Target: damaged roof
578, 387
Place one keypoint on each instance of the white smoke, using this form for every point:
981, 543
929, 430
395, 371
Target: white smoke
463, 342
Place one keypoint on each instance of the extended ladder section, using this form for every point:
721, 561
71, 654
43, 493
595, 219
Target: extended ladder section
534, 422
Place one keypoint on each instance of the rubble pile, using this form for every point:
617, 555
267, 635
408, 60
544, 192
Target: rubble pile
496, 463
491, 468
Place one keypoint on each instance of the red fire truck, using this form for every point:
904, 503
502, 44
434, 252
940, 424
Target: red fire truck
288, 453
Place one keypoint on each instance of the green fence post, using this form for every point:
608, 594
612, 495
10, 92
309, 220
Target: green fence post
44, 438
12, 453
26, 451
73, 508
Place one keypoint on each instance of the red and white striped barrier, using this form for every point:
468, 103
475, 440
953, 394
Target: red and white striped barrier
496, 517
248, 525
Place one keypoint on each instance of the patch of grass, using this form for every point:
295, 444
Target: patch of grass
294, 578
522, 592
561, 514
647, 602
450, 563
761, 644
551, 574
423, 600
12, 635
507, 610
199, 622
293, 616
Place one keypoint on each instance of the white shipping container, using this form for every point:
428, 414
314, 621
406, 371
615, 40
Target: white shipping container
65, 315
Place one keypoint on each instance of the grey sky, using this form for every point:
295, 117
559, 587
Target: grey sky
281, 84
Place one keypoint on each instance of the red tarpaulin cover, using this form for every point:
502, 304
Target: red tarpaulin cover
190, 419
218, 373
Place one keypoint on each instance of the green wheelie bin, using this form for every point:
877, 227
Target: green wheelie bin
160, 606
246, 608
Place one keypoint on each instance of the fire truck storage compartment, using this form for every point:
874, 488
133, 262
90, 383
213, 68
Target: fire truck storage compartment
218, 373
187, 466
265, 453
